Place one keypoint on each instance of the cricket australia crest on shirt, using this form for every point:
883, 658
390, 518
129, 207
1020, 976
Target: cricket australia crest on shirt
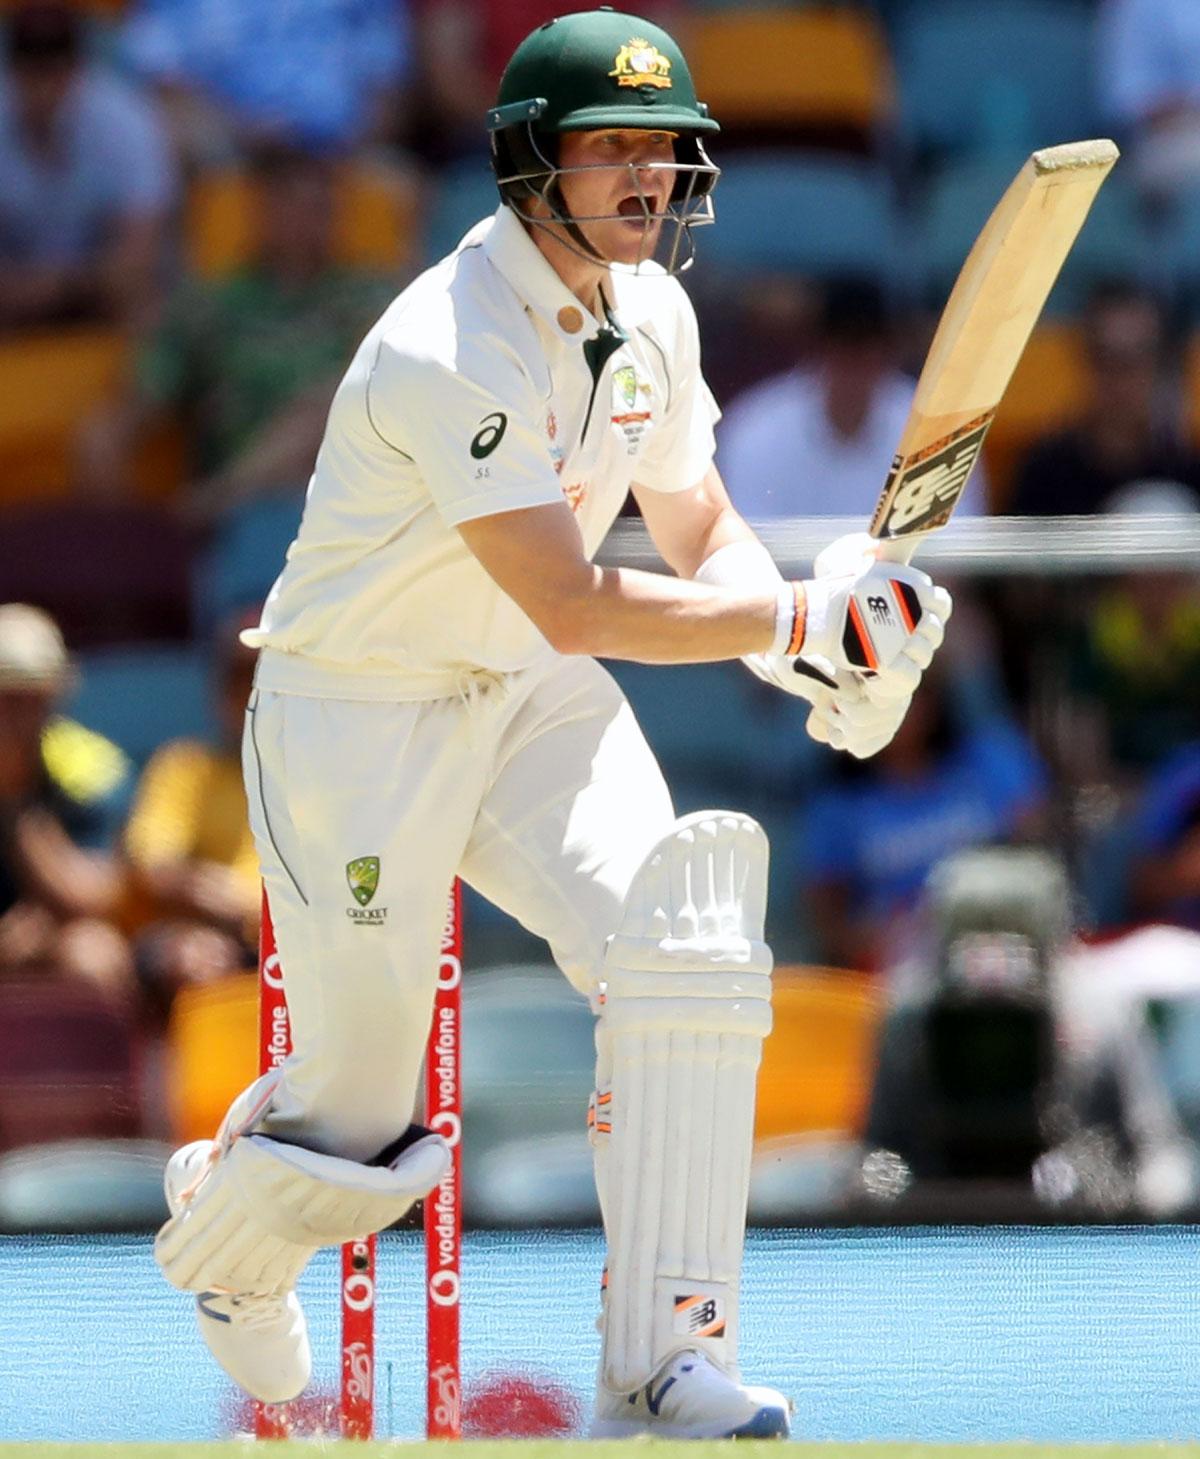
362, 877
638, 63
631, 405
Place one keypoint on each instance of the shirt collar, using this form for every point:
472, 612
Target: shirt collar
527, 269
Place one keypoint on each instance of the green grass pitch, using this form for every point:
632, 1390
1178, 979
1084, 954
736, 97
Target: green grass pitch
554, 1449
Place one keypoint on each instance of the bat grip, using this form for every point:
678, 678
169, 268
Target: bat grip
897, 549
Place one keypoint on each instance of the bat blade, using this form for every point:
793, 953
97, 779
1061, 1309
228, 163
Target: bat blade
987, 321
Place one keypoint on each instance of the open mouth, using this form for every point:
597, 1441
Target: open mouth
637, 209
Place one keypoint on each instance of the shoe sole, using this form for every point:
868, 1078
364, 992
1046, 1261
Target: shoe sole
767, 1423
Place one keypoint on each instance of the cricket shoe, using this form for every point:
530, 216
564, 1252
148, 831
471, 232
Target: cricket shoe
260, 1341
691, 1398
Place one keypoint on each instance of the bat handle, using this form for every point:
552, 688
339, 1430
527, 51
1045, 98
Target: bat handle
897, 549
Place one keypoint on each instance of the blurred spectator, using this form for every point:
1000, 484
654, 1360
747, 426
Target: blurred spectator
251, 360
870, 840
819, 439
1131, 428
62, 792
1136, 665
1149, 83
465, 46
325, 75
85, 180
190, 850
1166, 843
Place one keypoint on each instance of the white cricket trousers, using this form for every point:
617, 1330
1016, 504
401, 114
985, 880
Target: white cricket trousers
538, 788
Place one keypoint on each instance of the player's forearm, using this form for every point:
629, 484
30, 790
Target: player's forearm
688, 527
622, 613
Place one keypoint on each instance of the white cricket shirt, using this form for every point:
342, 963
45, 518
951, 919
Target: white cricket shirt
474, 395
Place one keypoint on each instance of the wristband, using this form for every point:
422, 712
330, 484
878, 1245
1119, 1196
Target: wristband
789, 620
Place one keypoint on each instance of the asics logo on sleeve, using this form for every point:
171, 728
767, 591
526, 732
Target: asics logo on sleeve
490, 434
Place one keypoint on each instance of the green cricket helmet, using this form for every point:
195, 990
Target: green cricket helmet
586, 72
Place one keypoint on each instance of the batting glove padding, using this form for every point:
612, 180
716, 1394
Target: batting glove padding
869, 621
850, 720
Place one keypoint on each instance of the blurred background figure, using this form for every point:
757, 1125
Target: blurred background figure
86, 180
463, 47
1010, 1056
818, 439
1131, 428
63, 790
250, 360
325, 75
1133, 667
188, 846
1165, 870
1149, 87
873, 833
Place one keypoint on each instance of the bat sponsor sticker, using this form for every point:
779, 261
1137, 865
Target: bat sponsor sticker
923, 489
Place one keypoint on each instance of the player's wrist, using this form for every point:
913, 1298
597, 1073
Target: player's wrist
747, 567
791, 614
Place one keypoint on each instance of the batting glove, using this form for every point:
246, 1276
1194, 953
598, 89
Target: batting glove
851, 721
881, 620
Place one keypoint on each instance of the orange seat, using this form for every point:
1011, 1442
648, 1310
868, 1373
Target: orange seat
824, 67
50, 382
374, 222
213, 1042
817, 1063
1048, 388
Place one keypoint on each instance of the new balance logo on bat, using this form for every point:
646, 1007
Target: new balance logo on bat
922, 493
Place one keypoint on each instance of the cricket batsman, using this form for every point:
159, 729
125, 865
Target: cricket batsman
428, 704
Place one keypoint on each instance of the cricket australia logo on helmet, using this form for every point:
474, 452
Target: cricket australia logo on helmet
640, 64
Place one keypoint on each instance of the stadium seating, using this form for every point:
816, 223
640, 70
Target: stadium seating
803, 213
1181, 253
816, 1067
1016, 74
823, 69
212, 1040
51, 380
1115, 240
108, 573
1048, 388
466, 192
140, 696
245, 557
68, 1065
374, 221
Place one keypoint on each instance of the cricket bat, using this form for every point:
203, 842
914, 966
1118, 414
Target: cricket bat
995, 302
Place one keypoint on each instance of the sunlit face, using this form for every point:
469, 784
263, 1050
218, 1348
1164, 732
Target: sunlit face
629, 179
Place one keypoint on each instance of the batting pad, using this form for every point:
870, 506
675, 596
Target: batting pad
683, 1009
264, 1208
